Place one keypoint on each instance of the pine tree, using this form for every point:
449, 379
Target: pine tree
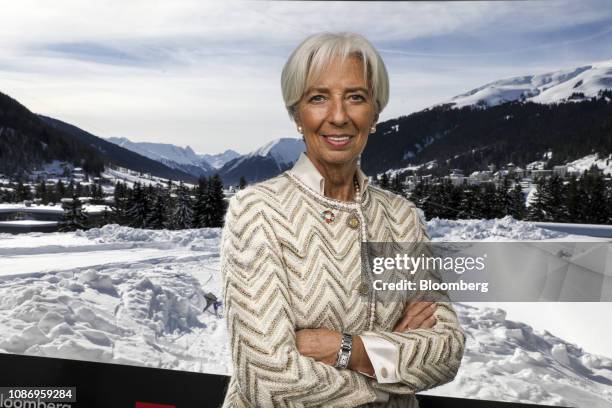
556, 204
22, 192
490, 206
120, 204
396, 185
595, 209
242, 183
538, 205
97, 194
73, 217
42, 193
573, 201
200, 207
516, 203
60, 190
70, 189
216, 205
158, 218
138, 207
384, 181
182, 217
466, 205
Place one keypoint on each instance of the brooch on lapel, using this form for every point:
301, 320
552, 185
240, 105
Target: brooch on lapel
328, 216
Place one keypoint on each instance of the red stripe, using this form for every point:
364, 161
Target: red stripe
150, 405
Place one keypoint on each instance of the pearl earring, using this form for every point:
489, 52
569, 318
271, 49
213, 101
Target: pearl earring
300, 129
373, 129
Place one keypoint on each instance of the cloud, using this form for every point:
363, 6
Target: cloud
189, 72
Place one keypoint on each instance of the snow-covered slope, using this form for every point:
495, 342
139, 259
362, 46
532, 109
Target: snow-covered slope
551, 87
129, 177
585, 163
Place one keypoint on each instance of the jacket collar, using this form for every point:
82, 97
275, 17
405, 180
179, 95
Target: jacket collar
307, 173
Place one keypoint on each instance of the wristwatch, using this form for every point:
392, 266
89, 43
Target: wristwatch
344, 354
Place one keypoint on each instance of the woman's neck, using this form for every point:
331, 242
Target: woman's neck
338, 180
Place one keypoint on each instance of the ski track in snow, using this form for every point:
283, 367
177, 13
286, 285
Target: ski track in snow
128, 296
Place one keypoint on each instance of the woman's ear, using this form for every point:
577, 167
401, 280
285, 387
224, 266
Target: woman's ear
298, 122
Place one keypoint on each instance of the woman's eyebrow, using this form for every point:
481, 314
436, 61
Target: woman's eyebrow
326, 90
317, 89
358, 88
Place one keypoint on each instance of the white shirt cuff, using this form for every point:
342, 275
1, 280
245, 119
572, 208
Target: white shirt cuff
384, 356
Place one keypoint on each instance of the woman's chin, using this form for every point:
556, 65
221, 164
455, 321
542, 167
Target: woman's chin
338, 157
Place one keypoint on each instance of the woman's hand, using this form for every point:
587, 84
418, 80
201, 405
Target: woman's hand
323, 345
320, 344
417, 315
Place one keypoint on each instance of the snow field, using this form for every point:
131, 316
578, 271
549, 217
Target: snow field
129, 296
147, 312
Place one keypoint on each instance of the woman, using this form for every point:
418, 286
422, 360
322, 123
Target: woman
305, 328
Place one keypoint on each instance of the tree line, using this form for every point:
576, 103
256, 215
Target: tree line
585, 199
170, 207
51, 193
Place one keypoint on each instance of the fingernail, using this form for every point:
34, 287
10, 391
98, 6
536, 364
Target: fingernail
433, 305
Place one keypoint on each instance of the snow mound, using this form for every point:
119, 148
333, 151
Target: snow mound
112, 233
510, 361
130, 315
499, 229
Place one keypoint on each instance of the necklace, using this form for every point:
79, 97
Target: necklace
357, 190
328, 216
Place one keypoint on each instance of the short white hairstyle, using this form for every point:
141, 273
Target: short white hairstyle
316, 52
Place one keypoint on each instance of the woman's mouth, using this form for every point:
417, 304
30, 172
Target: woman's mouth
337, 140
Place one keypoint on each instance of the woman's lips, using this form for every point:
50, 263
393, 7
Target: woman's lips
337, 140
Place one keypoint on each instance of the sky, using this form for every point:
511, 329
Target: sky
207, 74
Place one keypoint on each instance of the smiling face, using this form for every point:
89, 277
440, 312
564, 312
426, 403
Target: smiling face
336, 113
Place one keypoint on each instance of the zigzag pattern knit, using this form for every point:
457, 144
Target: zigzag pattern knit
286, 269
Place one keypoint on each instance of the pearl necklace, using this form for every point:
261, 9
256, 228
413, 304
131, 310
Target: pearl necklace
357, 190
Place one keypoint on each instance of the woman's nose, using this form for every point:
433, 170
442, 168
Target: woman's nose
338, 115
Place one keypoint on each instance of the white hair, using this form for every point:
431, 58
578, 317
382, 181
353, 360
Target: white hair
313, 55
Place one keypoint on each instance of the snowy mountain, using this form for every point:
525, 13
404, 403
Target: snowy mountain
176, 157
552, 87
29, 141
218, 160
472, 139
265, 162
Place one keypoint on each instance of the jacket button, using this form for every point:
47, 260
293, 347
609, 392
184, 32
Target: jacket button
353, 221
363, 288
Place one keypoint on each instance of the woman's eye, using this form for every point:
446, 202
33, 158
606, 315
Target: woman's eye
357, 97
317, 98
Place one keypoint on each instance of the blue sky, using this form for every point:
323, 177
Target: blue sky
207, 74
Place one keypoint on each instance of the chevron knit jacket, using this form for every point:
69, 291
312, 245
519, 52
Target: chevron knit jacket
284, 269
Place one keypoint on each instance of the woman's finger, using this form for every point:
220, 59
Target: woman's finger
425, 314
429, 323
412, 311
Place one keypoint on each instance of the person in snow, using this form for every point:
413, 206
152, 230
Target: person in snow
305, 329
